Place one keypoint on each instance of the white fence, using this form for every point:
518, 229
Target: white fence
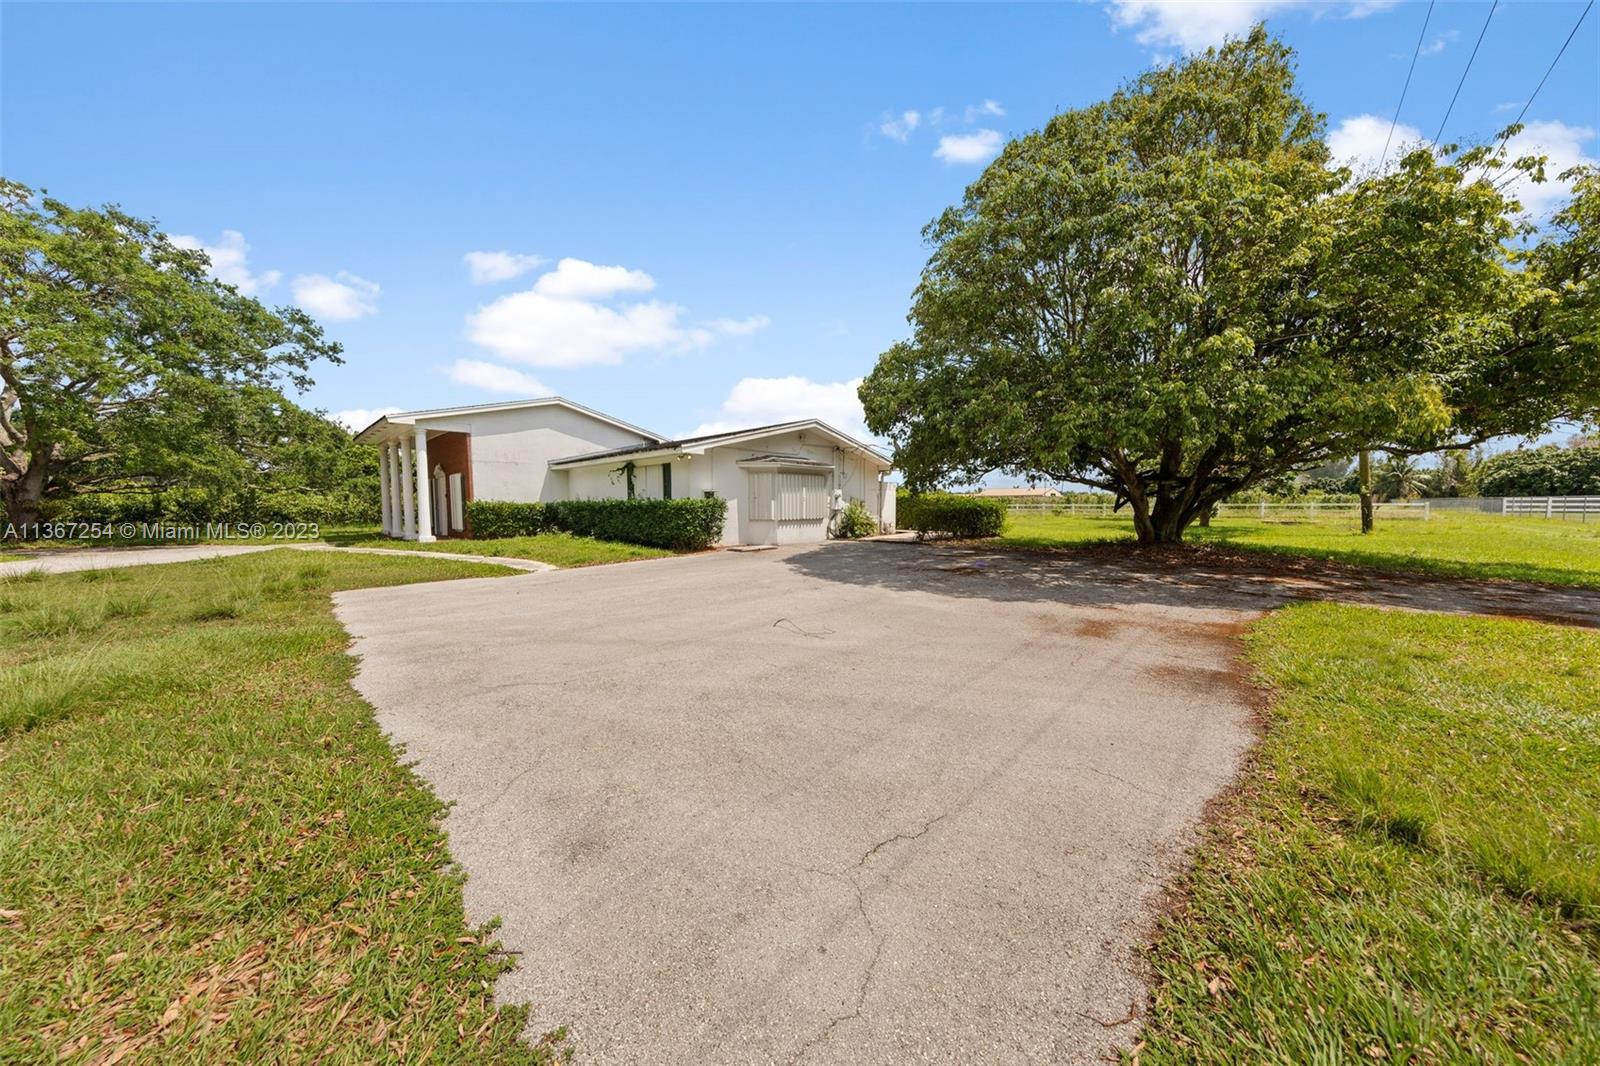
1055, 505
1305, 511
1571, 508
1310, 510
1576, 508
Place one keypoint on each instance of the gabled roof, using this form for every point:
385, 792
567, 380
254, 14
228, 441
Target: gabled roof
377, 430
696, 445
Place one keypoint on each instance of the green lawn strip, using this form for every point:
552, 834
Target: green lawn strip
557, 549
208, 850
1451, 545
1411, 870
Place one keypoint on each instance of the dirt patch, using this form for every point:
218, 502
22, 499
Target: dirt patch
1204, 681
1097, 628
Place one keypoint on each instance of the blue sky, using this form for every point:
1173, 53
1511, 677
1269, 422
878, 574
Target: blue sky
690, 216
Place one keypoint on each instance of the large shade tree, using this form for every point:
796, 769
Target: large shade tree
122, 362
1173, 295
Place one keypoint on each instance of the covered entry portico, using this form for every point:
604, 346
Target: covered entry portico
423, 481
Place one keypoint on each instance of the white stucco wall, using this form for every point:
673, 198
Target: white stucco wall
511, 450
717, 470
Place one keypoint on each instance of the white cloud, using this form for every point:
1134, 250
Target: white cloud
230, 257
341, 298
566, 321
976, 147
1190, 24
761, 401
740, 327
356, 419
541, 330
496, 378
900, 128
575, 279
1194, 25
1564, 147
1357, 142
489, 267
988, 107
1438, 44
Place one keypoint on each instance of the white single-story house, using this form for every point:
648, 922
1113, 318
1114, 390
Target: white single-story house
784, 483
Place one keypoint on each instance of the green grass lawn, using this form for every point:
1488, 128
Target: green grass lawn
1411, 872
208, 851
1457, 545
557, 549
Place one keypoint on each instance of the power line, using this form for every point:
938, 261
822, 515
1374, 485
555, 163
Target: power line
1415, 52
1506, 136
1553, 62
1464, 73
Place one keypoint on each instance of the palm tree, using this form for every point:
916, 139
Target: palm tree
1399, 477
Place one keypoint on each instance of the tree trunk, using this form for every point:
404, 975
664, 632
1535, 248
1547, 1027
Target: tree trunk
1163, 524
24, 500
1364, 479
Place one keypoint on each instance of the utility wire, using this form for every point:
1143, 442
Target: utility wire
1415, 52
1506, 136
1552, 66
1464, 73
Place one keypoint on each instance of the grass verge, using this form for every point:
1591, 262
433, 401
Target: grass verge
557, 549
1411, 870
208, 851
1451, 545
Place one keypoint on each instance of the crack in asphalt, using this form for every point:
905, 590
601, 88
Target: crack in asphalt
852, 874
1131, 784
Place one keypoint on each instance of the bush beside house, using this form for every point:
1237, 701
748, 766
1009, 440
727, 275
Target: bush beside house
855, 522
950, 514
680, 525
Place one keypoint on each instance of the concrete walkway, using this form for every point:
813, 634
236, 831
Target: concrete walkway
67, 560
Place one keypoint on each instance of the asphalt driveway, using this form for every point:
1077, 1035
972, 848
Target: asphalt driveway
850, 803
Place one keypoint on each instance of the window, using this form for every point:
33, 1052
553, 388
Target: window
780, 497
666, 481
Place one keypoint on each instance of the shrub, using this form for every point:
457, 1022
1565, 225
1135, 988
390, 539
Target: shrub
855, 521
681, 525
1546, 471
944, 512
489, 519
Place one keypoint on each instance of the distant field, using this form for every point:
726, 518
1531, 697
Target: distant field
1460, 545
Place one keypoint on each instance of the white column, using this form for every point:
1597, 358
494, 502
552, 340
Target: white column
384, 502
396, 526
424, 488
407, 510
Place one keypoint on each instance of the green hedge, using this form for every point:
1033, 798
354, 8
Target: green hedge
681, 525
944, 512
489, 519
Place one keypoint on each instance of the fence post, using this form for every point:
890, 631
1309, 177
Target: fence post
1263, 508
1427, 510
1549, 503
1503, 501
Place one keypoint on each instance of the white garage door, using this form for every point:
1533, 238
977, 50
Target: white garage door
796, 504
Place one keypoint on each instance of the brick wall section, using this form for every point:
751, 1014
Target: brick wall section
453, 451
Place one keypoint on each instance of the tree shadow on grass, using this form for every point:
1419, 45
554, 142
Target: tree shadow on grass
1125, 575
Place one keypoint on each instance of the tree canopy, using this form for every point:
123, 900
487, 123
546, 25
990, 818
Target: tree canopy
1548, 471
122, 363
1174, 295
